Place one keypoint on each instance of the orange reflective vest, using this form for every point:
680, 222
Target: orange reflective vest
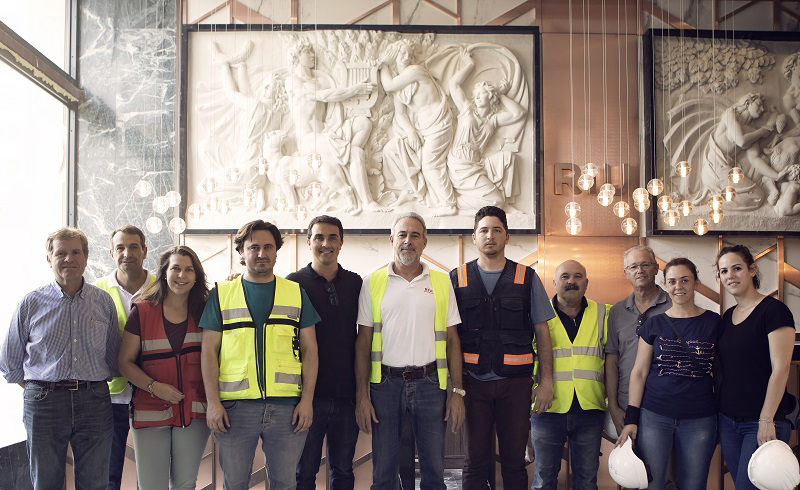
181, 370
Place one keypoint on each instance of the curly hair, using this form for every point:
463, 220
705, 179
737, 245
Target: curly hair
744, 102
491, 89
789, 64
293, 53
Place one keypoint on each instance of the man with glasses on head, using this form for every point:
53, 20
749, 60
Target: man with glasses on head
333, 291
624, 322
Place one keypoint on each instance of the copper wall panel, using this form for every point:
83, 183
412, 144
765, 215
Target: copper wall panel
610, 139
602, 258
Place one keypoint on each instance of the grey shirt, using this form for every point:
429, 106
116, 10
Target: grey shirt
623, 338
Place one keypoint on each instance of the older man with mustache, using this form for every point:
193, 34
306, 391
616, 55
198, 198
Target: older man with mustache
407, 314
579, 334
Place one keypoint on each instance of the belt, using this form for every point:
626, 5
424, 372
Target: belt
409, 372
70, 384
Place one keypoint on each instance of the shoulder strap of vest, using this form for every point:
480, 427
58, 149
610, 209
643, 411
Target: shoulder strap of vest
461, 273
377, 288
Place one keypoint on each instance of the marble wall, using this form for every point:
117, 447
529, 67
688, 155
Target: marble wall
126, 130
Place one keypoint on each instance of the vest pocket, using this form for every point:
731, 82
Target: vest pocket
471, 313
512, 314
517, 356
283, 339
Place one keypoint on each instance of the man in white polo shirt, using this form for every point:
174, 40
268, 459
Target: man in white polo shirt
407, 342
124, 283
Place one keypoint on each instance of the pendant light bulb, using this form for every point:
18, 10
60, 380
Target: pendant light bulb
153, 224
672, 217
629, 226
621, 209
735, 175
585, 182
591, 170
655, 187
683, 169
605, 198
574, 226
664, 203
700, 226
572, 209
685, 207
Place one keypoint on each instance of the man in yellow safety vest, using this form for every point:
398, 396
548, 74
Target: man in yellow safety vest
127, 281
259, 363
579, 332
407, 342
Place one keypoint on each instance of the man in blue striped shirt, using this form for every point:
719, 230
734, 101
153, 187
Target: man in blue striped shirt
62, 348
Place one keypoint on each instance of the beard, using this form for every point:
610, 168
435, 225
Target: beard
407, 257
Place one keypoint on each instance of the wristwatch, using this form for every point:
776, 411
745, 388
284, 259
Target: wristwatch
459, 391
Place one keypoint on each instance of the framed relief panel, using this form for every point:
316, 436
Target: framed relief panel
287, 122
722, 115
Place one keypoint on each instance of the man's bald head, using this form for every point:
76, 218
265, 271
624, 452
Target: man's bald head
570, 281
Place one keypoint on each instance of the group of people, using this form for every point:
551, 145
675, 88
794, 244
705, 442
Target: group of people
323, 353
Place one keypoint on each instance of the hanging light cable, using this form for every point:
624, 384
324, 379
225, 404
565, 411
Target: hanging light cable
572, 208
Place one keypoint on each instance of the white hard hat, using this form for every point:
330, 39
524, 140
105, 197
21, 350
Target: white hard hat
609, 428
773, 466
626, 468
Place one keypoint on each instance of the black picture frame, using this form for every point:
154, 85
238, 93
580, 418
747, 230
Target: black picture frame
535, 90
653, 151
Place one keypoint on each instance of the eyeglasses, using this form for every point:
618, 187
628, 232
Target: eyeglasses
645, 266
332, 296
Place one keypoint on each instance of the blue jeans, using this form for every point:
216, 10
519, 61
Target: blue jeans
694, 441
237, 447
57, 418
425, 402
549, 432
739, 440
336, 419
119, 443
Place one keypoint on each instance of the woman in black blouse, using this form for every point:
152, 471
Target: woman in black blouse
754, 353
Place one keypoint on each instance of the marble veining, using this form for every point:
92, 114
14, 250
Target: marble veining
126, 131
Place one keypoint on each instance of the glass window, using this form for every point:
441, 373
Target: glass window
42, 24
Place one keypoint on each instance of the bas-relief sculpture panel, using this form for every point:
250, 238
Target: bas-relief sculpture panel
284, 125
725, 103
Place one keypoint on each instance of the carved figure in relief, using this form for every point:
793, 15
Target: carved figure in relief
479, 180
321, 128
734, 138
417, 157
791, 99
785, 159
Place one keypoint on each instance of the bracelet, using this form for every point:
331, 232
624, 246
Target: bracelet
767, 421
150, 387
632, 415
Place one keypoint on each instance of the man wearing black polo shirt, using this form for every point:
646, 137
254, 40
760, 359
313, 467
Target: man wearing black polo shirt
334, 293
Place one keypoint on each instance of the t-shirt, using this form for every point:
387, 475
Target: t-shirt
679, 384
408, 309
176, 332
260, 297
744, 358
541, 311
337, 304
623, 339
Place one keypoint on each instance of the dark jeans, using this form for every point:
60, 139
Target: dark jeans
739, 440
425, 402
119, 442
692, 441
336, 419
506, 404
55, 419
549, 432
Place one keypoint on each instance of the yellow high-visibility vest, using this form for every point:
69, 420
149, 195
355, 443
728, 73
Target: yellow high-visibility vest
441, 295
242, 374
579, 366
118, 383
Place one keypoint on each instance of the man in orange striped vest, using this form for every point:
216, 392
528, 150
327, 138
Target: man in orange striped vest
504, 310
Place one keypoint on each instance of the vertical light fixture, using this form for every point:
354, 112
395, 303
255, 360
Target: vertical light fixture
572, 208
621, 208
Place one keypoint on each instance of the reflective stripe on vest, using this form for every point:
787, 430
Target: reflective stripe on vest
440, 282
162, 363
578, 366
470, 358
118, 383
239, 373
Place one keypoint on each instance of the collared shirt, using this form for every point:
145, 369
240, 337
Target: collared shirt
127, 303
623, 338
337, 304
407, 312
124, 295
570, 325
55, 337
